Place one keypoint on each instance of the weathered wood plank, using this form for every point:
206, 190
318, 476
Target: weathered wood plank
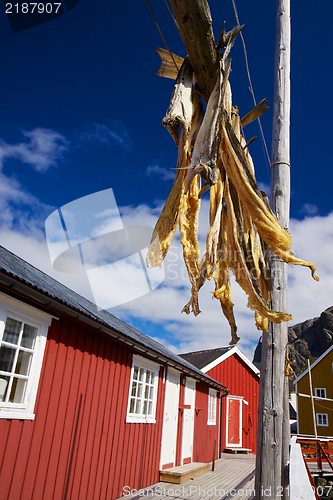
195, 26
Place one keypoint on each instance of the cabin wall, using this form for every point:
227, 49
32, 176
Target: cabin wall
204, 435
79, 446
240, 380
322, 377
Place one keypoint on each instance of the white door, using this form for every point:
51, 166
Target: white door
170, 420
234, 422
188, 422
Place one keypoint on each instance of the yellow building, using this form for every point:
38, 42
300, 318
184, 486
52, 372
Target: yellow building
322, 386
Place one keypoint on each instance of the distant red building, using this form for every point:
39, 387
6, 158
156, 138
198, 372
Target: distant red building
230, 367
89, 405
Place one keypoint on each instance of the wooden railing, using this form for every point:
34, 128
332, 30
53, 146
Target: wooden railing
317, 450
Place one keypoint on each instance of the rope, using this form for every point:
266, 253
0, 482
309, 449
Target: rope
281, 163
250, 82
173, 17
171, 55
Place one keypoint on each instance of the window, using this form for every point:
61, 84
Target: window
23, 331
143, 391
322, 419
320, 393
211, 407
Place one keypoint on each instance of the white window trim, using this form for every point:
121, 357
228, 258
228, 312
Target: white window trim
23, 312
146, 364
317, 419
212, 393
320, 389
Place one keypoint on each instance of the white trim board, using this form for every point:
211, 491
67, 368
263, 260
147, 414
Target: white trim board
226, 355
301, 375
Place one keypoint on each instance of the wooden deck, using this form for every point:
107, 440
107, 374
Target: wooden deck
233, 478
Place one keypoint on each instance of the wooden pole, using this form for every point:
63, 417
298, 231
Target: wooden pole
272, 472
214, 450
195, 26
312, 402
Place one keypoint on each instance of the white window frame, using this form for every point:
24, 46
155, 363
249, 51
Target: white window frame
319, 391
320, 417
13, 308
145, 364
212, 403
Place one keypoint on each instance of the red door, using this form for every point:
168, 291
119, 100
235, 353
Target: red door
234, 422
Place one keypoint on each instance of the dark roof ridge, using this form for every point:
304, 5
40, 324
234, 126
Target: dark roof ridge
209, 350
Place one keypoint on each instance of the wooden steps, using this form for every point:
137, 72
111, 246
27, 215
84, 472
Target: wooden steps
182, 473
235, 451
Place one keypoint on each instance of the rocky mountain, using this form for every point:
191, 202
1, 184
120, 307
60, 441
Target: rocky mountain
309, 339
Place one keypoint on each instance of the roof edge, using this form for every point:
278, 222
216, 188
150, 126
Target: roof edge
223, 357
301, 375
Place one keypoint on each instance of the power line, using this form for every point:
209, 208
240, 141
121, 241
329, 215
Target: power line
251, 87
171, 55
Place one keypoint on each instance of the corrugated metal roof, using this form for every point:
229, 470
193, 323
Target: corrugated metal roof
23, 272
200, 359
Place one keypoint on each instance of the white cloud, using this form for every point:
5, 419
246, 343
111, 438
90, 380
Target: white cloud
19, 208
116, 133
309, 209
162, 172
42, 149
313, 240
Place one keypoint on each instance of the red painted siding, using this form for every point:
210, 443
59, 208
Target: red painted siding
79, 445
240, 381
204, 435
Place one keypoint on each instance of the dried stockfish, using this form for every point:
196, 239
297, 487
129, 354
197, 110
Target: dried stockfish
242, 225
181, 107
255, 113
170, 63
205, 150
227, 40
200, 282
184, 102
238, 170
189, 228
166, 225
223, 294
237, 262
222, 279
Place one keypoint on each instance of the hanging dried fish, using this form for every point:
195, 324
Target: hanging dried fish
205, 150
242, 225
237, 262
181, 107
238, 169
185, 110
170, 63
166, 225
189, 229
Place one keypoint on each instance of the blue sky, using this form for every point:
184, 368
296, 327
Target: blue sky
81, 111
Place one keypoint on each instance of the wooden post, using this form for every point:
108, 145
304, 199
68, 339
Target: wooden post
312, 401
195, 26
213, 464
273, 420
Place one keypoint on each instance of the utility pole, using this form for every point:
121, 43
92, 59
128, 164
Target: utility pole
273, 422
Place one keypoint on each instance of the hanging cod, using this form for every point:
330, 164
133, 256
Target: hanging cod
242, 225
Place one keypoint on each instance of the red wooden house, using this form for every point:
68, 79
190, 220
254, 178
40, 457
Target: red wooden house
239, 408
90, 408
